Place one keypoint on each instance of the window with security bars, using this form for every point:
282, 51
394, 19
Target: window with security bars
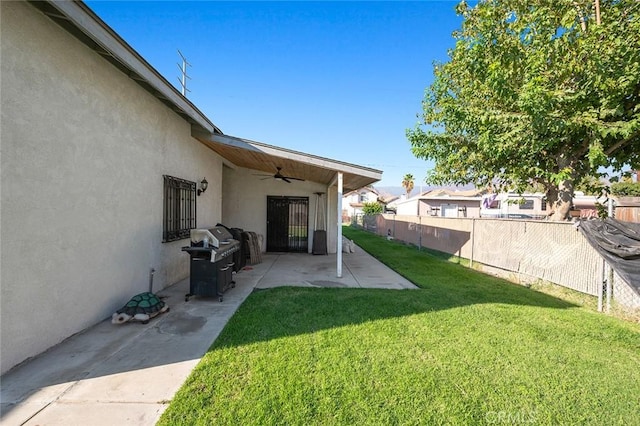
179, 215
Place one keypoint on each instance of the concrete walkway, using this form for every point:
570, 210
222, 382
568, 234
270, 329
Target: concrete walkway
126, 375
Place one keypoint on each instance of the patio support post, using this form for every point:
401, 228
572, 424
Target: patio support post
339, 216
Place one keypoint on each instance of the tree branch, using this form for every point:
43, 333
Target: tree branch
622, 143
584, 148
583, 21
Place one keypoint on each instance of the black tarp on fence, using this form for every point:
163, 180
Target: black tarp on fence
619, 244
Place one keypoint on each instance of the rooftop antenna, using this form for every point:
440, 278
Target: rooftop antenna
183, 71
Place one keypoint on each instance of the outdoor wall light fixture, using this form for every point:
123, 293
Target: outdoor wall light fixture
203, 186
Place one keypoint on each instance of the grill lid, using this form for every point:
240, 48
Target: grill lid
216, 241
217, 236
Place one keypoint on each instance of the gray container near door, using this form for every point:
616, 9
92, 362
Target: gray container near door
319, 233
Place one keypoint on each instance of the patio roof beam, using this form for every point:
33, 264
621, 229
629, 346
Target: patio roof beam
339, 221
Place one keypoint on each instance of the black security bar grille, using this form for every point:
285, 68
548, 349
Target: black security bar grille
287, 224
179, 215
298, 224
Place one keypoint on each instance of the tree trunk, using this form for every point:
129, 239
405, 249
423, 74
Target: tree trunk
561, 199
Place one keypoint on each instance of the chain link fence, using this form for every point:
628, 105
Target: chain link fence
554, 252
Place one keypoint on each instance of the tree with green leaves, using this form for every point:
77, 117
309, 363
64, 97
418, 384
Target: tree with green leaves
371, 208
407, 183
535, 93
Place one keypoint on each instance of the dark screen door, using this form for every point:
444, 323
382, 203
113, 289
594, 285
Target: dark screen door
287, 224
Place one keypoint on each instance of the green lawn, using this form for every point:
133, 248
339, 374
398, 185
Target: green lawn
464, 349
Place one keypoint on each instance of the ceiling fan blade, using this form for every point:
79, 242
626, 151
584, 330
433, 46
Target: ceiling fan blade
279, 176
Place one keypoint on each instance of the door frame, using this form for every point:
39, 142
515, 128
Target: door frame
282, 235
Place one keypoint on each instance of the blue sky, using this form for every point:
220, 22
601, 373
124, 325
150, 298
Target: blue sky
342, 80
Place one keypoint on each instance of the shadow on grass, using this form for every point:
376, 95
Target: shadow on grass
288, 311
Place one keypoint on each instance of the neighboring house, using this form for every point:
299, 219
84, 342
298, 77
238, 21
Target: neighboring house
101, 165
514, 206
479, 203
441, 202
353, 201
532, 205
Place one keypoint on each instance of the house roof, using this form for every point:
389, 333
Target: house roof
448, 193
445, 194
360, 190
80, 21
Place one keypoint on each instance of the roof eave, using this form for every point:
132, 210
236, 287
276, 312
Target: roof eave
356, 177
81, 22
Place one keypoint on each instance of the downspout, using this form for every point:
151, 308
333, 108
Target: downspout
151, 272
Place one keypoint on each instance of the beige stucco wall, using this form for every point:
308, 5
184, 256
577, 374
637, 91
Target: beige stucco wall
244, 201
408, 207
83, 149
472, 207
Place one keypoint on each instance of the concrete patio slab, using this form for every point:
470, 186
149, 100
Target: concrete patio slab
127, 374
359, 269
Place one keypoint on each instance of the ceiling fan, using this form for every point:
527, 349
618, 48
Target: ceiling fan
280, 176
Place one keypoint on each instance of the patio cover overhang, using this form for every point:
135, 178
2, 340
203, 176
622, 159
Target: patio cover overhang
267, 158
259, 156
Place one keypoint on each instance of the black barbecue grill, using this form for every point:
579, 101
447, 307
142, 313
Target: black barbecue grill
212, 263
240, 256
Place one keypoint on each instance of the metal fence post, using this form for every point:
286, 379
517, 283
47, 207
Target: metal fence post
609, 287
473, 233
609, 268
601, 286
419, 232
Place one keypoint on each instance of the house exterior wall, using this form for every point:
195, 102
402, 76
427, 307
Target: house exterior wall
433, 207
244, 201
350, 203
83, 149
407, 207
510, 206
353, 201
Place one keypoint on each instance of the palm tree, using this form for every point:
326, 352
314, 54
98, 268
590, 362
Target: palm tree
407, 183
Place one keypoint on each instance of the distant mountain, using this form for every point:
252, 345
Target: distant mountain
390, 191
396, 191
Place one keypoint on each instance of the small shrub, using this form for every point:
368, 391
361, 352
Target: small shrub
371, 208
